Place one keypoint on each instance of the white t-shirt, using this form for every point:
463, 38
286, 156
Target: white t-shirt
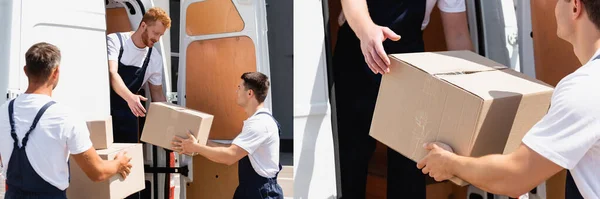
58, 134
447, 6
134, 56
260, 138
569, 134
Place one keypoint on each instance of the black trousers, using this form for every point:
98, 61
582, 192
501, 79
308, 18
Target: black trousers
356, 90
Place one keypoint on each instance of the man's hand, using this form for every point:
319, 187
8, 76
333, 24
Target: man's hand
124, 164
434, 163
134, 103
371, 45
185, 146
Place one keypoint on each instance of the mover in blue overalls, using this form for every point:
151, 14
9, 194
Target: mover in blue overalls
37, 165
256, 147
134, 62
359, 60
567, 137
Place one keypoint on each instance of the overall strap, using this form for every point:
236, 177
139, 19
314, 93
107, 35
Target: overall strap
13, 133
146, 61
278, 126
121, 42
36, 120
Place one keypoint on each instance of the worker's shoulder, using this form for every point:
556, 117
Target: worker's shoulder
578, 92
262, 122
59, 110
115, 36
156, 52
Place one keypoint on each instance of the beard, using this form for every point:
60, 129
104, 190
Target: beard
147, 41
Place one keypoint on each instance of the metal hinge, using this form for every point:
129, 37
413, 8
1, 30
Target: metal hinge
13, 93
172, 97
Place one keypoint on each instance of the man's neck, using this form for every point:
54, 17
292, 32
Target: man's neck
39, 89
587, 43
252, 108
136, 37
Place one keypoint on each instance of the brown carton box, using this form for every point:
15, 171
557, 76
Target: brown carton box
475, 105
101, 133
166, 120
115, 187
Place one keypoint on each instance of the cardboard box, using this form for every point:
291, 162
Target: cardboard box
166, 120
101, 133
460, 98
114, 188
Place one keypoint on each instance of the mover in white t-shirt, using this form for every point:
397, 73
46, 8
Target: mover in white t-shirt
256, 148
37, 136
133, 63
567, 137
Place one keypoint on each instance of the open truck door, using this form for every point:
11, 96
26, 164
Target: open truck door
124, 16
218, 41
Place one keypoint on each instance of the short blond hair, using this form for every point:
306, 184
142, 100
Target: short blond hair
157, 14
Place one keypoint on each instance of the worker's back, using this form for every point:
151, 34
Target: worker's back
58, 133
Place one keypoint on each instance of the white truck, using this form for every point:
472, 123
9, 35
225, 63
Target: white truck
79, 29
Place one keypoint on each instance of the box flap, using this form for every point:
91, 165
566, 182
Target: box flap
497, 84
448, 62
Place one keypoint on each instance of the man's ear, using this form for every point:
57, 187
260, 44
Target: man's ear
577, 8
56, 72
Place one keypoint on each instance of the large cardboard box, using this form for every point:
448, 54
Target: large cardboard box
475, 105
101, 133
164, 121
115, 187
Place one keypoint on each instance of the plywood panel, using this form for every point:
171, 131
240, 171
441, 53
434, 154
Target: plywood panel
554, 57
213, 72
376, 187
433, 35
212, 180
555, 186
212, 17
335, 8
117, 20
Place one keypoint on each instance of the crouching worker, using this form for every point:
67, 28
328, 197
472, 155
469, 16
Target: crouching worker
37, 136
256, 148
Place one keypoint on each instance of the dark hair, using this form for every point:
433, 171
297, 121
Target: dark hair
257, 82
592, 7
40, 60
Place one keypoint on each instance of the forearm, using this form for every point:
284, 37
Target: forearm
493, 173
158, 96
216, 144
356, 13
459, 41
216, 154
107, 169
117, 84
